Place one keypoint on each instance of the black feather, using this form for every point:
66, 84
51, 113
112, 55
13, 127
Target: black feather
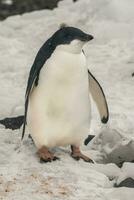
43, 54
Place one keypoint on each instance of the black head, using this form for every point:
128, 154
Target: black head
65, 35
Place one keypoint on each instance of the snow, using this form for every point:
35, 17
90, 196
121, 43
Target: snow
111, 60
7, 2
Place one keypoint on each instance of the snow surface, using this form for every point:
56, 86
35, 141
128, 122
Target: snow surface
111, 59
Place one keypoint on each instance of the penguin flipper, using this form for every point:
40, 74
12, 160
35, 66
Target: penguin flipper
43, 54
99, 98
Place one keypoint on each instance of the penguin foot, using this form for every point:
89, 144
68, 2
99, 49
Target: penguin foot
77, 155
46, 156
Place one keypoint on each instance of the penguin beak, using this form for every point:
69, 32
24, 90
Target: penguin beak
89, 37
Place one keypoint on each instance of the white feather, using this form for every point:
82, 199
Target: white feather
59, 108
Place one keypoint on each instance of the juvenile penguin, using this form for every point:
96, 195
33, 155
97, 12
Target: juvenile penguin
57, 100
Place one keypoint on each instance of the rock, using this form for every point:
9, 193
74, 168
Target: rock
128, 182
114, 147
20, 7
13, 123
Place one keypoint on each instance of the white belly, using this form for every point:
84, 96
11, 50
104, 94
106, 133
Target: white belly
59, 108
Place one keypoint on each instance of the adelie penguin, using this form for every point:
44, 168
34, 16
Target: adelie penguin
57, 100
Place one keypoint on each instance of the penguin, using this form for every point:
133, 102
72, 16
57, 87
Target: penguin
57, 99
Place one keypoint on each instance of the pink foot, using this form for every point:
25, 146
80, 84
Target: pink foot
45, 155
77, 155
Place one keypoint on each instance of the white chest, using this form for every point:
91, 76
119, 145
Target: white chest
60, 104
64, 68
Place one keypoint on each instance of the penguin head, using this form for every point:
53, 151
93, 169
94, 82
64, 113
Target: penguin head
70, 39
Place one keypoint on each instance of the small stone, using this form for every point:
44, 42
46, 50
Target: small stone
128, 182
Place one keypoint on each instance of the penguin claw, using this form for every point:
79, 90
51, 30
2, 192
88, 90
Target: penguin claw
42, 160
86, 159
77, 155
49, 159
45, 155
77, 158
56, 158
89, 161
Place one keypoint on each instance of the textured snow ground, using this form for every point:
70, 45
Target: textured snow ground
111, 60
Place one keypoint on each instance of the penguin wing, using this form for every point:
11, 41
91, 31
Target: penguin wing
43, 54
99, 98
